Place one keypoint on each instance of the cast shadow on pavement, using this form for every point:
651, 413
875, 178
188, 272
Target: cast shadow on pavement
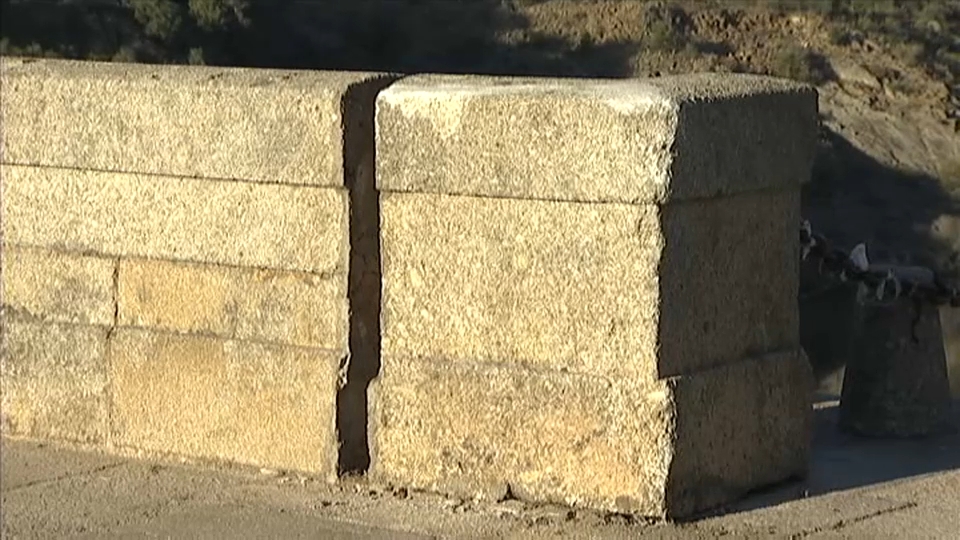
841, 462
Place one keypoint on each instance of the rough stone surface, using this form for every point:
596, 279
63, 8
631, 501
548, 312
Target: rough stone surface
609, 289
53, 380
253, 124
486, 429
738, 428
660, 448
236, 211
55, 286
262, 305
270, 406
239, 223
728, 280
585, 266
896, 384
526, 282
637, 141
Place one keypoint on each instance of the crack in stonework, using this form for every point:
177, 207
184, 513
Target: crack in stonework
846, 522
859, 519
60, 478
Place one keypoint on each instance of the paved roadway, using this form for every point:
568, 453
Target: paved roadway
857, 489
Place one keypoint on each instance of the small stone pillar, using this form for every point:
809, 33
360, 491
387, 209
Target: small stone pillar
896, 384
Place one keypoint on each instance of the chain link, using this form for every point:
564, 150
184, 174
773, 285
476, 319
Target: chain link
880, 283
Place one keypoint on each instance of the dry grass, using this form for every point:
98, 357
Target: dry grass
662, 36
796, 63
950, 174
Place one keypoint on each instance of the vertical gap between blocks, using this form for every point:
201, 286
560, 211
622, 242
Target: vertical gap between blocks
363, 289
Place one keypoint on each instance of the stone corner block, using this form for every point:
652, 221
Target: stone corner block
635, 141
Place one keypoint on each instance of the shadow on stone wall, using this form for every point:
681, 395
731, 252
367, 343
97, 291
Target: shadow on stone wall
854, 198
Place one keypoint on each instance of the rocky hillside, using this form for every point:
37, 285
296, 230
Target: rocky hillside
889, 81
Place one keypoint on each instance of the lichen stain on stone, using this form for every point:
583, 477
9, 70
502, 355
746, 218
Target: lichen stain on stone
442, 111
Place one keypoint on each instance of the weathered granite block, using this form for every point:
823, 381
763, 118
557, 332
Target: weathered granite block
576, 274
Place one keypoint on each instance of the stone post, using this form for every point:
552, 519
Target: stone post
590, 288
896, 384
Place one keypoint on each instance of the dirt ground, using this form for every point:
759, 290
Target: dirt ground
855, 489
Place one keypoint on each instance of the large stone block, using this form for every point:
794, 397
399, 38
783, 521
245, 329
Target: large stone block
631, 141
241, 206
292, 308
58, 286
252, 124
54, 380
609, 289
266, 405
680, 256
234, 223
574, 274
664, 448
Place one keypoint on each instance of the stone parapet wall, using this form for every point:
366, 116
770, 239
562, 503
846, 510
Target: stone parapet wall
578, 291
177, 257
